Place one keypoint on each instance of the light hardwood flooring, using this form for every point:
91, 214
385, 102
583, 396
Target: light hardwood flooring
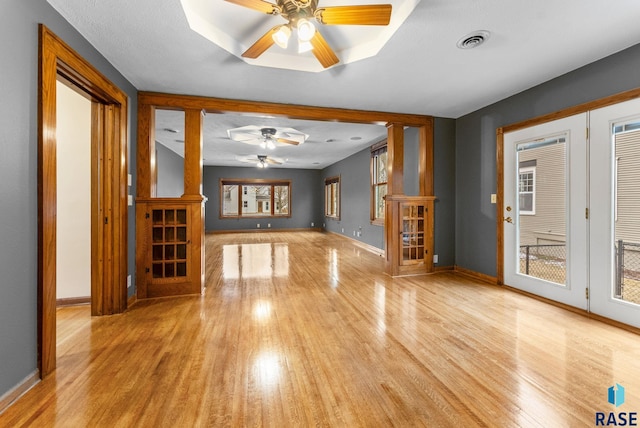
304, 329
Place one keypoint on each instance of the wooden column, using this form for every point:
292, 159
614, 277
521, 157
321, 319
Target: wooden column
146, 157
192, 152
395, 159
425, 165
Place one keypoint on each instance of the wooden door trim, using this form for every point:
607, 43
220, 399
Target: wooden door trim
57, 60
560, 114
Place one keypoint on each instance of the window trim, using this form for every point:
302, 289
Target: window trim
335, 211
241, 182
524, 170
376, 149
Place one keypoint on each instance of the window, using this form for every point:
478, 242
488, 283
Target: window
255, 198
378, 181
332, 197
527, 190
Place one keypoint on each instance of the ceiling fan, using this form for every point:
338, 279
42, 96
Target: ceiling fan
267, 137
299, 13
261, 161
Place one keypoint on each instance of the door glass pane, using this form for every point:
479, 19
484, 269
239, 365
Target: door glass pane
541, 210
626, 212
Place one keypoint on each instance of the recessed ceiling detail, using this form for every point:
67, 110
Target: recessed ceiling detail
235, 29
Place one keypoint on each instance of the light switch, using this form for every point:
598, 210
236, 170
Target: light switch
494, 198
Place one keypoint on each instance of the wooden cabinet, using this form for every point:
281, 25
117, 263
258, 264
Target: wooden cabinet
170, 247
409, 235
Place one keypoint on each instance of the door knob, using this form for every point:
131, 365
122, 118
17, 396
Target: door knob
508, 208
508, 220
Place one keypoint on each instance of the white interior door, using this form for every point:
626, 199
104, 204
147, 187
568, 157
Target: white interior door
615, 212
545, 198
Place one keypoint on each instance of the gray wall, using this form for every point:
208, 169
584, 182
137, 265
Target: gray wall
18, 175
355, 197
476, 146
306, 205
170, 173
444, 183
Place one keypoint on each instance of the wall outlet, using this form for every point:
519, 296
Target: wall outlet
323, 225
128, 179
312, 223
435, 258
494, 198
258, 226
128, 281
268, 224
343, 230
354, 233
130, 200
359, 234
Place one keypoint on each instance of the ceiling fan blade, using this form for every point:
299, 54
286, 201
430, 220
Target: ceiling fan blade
372, 14
259, 5
263, 43
285, 141
245, 136
323, 51
272, 162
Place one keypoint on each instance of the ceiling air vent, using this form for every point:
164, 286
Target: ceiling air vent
473, 40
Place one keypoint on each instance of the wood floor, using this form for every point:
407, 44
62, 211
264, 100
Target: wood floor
304, 329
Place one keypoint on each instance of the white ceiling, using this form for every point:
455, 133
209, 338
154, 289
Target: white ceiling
328, 142
419, 70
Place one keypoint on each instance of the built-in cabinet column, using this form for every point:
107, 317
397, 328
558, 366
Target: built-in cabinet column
409, 219
169, 231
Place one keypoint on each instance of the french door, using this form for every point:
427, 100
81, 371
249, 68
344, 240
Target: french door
545, 196
614, 230
572, 211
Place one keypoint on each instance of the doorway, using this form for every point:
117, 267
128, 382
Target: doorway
57, 61
569, 215
73, 196
545, 196
615, 212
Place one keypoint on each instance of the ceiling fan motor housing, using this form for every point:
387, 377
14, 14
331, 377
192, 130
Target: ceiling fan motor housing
268, 132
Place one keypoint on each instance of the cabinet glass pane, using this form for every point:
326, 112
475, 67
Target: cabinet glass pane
181, 216
181, 269
169, 234
169, 252
158, 236
169, 270
157, 252
158, 217
181, 251
181, 234
169, 217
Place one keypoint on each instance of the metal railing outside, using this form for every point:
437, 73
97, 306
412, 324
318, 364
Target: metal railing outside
627, 285
548, 261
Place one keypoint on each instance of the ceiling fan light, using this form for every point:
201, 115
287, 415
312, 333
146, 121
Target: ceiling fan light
270, 145
304, 46
306, 30
281, 37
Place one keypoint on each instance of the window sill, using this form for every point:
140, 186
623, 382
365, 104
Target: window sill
378, 222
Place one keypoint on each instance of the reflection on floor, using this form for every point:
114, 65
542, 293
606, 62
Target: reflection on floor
305, 329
